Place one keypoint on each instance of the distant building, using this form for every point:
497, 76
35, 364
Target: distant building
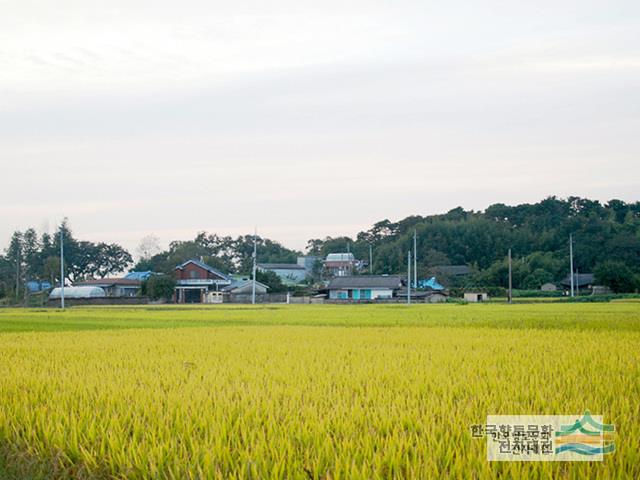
475, 297
423, 296
581, 281
600, 290
549, 287
291, 273
245, 287
77, 292
113, 287
341, 264
37, 286
195, 279
364, 287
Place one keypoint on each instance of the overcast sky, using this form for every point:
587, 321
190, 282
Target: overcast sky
308, 119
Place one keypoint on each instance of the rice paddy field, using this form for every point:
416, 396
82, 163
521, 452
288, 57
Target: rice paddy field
365, 391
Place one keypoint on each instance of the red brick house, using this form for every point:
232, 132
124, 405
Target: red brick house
195, 279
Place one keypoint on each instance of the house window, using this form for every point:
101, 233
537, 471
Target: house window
194, 274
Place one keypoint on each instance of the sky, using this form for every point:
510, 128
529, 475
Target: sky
306, 119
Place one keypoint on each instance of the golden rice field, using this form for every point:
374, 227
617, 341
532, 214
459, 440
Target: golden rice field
307, 391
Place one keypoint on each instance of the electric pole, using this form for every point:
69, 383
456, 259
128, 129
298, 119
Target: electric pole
571, 261
510, 297
255, 254
409, 277
18, 271
61, 268
415, 258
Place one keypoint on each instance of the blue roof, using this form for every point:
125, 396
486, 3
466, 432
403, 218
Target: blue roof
140, 276
35, 286
431, 284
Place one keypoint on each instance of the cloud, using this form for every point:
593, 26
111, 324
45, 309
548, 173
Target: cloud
305, 118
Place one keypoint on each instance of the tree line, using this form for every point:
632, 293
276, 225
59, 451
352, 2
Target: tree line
30, 257
606, 242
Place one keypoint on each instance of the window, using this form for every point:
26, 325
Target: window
194, 274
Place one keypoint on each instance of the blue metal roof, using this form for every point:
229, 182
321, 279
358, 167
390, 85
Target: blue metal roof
140, 276
431, 284
35, 286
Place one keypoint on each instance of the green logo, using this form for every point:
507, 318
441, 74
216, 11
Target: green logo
585, 437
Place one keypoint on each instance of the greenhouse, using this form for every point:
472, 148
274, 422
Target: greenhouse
78, 292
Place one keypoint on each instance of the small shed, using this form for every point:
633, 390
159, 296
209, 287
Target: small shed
436, 297
475, 297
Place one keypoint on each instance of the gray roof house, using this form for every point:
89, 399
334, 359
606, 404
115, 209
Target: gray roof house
580, 280
114, 287
245, 286
364, 287
291, 273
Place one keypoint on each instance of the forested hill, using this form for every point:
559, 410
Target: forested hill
538, 235
606, 242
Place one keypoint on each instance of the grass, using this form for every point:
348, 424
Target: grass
307, 391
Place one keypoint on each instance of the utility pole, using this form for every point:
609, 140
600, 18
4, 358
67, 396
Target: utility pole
571, 261
409, 277
370, 259
255, 254
61, 268
18, 272
415, 258
510, 297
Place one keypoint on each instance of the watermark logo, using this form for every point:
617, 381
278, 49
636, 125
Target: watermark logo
586, 436
546, 437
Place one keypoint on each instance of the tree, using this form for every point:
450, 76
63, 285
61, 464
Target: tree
616, 275
271, 280
148, 247
159, 287
110, 258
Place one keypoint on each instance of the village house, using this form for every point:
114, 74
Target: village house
364, 287
341, 264
423, 296
195, 280
114, 287
291, 273
582, 282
